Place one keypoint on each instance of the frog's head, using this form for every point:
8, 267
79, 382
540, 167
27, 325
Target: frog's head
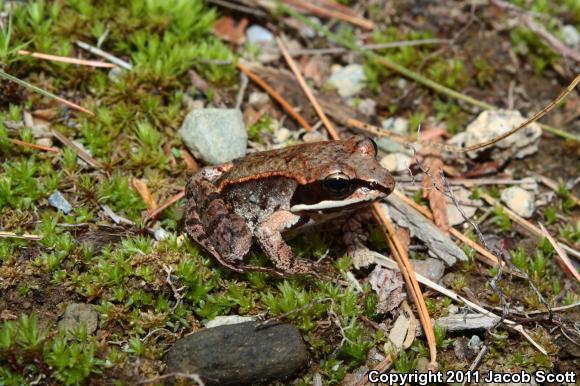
350, 178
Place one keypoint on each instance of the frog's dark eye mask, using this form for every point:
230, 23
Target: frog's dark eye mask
336, 191
337, 186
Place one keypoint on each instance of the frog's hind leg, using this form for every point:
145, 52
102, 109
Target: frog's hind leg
216, 228
268, 233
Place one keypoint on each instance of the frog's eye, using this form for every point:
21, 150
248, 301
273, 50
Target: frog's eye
337, 185
375, 146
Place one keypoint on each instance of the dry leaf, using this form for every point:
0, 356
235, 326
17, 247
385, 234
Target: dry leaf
189, 160
399, 331
412, 331
145, 194
226, 29
388, 286
45, 114
432, 186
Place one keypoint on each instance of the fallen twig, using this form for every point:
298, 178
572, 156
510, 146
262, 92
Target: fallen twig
439, 243
276, 96
239, 7
550, 183
410, 277
80, 152
189, 160
376, 46
23, 236
330, 13
477, 360
111, 58
292, 64
382, 367
561, 256
40, 91
34, 146
66, 59
154, 214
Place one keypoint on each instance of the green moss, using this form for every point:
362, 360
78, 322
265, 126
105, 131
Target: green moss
28, 351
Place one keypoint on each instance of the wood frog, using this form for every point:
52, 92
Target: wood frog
266, 194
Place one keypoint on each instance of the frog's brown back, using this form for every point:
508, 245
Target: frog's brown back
302, 163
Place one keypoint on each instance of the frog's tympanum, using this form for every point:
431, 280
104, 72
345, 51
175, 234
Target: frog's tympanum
266, 194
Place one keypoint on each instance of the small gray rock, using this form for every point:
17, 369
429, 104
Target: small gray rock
490, 124
367, 107
44, 142
79, 315
161, 234
452, 309
390, 146
215, 135
258, 99
448, 279
396, 162
258, 34
348, 80
519, 200
570, 35
474, 343
58, 201
431, 268
240, 354
399, 125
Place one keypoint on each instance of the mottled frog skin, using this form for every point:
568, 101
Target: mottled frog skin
263, 195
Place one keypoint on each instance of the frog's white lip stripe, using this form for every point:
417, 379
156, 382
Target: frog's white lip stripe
328, 204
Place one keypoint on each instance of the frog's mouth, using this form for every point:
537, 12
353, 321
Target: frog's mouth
360, 197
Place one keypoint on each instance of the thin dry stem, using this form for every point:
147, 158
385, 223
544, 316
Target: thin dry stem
23, 236
153, 215
410, 278
66, 59
331, 131
34, 146
80, 152
276, 96
334, 14
41, 91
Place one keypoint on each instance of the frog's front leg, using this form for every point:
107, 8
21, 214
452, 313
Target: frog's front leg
212, 222
268, 234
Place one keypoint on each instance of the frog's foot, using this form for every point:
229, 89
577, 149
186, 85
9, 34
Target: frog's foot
353, 233
268, 233
216, 228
